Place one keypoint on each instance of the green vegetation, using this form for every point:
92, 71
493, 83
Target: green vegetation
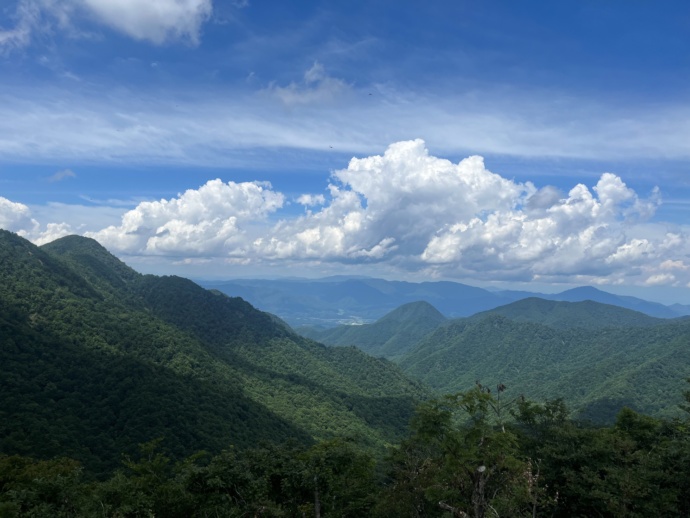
565, 315
598, 371
96, 358
472, 454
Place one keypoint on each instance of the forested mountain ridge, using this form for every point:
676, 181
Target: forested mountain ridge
391, 336
585, 314
597, 370
97, 358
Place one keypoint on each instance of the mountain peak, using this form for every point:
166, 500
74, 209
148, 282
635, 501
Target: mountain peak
92, 259
419, 310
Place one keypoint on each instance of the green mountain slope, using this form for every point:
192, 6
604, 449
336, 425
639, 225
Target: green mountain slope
563, 315
597, 371
391, 336
96, 358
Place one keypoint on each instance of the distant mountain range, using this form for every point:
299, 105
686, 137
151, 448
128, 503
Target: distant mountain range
340, 300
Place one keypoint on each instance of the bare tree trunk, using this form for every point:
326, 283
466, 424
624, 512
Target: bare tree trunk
478, 496
317, 501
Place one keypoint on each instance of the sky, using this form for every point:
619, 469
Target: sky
526, 145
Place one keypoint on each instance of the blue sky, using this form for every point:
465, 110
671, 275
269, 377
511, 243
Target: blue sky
341, 135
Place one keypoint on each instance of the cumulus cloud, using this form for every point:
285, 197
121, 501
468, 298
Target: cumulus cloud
16, 217
199, 222
310, 200
158, 21
392, 202
585, 233
52, 232
410, 212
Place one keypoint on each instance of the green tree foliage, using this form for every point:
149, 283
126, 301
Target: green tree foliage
96, 358
464, 457
600, 371
460, 458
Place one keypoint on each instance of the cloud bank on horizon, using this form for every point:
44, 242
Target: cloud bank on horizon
411, 212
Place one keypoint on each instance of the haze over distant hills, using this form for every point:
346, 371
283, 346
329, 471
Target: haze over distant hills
343, 300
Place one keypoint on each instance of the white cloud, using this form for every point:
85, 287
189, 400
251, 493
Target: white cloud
668, 264
310, 200
16, 217
660, 279
52, 232
408, 211
393, 202
580, 234
154, 20
317, 87
158, 21
199, 222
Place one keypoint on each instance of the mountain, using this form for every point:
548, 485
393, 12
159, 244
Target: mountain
681, 309
563, 315
391, 336
97, 358
596, 369
653, 309
335, 300
332, 301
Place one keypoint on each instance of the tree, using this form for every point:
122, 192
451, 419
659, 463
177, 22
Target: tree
460, 458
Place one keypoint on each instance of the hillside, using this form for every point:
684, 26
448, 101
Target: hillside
597, 371
391, 336
98, 358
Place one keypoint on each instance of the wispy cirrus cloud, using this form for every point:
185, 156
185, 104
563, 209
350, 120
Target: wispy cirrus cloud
62, 175
214, 127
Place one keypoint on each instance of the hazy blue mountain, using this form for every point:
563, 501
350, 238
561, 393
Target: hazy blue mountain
681, 309
332, 301
391, 336
653, 309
